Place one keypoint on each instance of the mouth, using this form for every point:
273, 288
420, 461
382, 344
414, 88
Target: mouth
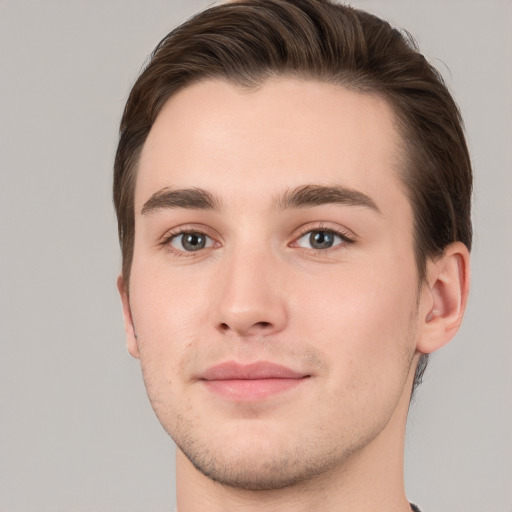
250, 382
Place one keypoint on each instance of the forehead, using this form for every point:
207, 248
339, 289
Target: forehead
251, 144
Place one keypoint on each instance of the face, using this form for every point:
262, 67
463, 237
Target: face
273, 293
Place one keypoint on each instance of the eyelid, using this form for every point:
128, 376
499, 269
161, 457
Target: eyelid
166, 239
347, 236
209, 242
343, 232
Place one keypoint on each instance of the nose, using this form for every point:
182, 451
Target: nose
252, 301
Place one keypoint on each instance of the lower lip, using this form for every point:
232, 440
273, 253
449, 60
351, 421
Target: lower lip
250, 390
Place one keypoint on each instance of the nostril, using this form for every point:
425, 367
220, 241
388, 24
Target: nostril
224, 327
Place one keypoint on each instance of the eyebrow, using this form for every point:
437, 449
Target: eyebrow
190, 198
316, 195
301, 197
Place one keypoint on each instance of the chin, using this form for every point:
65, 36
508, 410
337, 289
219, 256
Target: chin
257, 461
255, 471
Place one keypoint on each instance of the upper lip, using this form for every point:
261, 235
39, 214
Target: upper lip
231, 370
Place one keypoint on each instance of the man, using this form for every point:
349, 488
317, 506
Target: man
293, 189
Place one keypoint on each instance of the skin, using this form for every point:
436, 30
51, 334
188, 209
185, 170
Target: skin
352, 317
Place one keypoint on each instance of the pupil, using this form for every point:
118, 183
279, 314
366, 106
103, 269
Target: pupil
321, 239
193, 241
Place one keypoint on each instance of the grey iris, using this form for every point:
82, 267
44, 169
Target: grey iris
193, 241
321, 239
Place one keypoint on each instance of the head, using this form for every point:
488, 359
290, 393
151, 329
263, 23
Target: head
253, 47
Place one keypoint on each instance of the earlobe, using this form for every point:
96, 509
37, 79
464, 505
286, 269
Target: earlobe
131, 339
444, 298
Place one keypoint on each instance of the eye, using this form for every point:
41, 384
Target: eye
320, 239
190, 241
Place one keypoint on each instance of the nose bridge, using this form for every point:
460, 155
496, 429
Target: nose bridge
251, 300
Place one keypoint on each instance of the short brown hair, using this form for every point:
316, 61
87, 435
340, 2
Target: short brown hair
247, 42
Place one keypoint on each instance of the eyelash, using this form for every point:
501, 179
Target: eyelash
346, 238
343, 235
166, 241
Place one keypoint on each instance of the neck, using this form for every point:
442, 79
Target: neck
371, 479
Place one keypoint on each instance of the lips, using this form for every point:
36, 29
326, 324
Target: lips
251, 382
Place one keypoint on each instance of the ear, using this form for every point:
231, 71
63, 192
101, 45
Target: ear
444, 298
131, 339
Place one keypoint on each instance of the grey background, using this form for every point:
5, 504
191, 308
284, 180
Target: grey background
76, 430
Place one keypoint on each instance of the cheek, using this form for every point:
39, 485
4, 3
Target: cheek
363, 320
164, 324
163, 319
164, 302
